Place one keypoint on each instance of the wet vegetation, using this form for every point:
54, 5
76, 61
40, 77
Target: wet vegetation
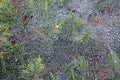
62, 47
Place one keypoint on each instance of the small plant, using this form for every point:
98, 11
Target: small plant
33, 68
53, 77
46, 3
7, 12
73, 75
83, 67
12, 57
115, 63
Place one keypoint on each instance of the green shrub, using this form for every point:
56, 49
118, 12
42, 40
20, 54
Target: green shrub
33, 68
12, 61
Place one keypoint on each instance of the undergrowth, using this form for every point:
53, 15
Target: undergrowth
16, 63
12, 55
